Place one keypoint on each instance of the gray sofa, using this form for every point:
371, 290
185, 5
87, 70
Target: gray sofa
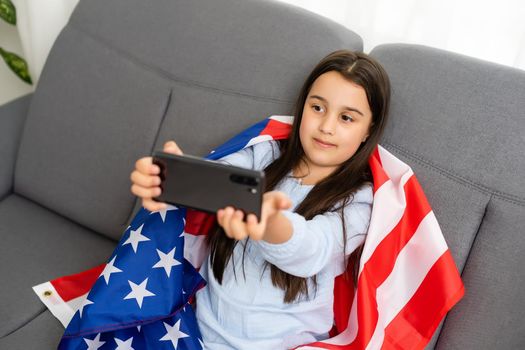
124, 76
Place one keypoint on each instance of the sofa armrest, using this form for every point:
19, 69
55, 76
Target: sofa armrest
12, 118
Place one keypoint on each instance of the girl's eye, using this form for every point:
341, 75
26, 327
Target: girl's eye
317, 108
347, 118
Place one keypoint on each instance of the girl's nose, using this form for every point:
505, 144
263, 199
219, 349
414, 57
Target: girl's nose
327, 125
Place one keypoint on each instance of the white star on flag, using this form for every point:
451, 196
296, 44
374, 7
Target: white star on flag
164, 212
139, 292
124, 345
167, 261
173, 333
109, 269
85, 303
95, 343
135, 237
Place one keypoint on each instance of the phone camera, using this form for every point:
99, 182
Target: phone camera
244, 180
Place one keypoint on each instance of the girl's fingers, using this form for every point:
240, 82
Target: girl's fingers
232, 222
145, 166
285, 202
237, 226
172, 147
145, 193
220, 214
152, 205
255, 229
226, 219
143, 180
280, 199
251, 220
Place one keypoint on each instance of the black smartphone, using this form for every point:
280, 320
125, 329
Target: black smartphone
207, 185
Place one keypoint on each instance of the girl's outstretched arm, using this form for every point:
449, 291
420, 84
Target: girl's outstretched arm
318, 243
299, 246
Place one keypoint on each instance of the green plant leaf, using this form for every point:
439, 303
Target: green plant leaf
8, 11
17, 65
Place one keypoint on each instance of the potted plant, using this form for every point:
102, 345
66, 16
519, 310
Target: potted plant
16, 63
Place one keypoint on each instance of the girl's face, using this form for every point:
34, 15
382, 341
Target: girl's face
336, 119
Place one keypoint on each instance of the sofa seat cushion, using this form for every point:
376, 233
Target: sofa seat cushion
43, 332
39, 245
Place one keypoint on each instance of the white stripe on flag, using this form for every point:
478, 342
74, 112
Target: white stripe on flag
258, 139
393, 166
388, 208
195, 250
389, 203
412, 265
287, 119
61, 309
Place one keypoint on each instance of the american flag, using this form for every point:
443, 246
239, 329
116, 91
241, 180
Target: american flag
140, 298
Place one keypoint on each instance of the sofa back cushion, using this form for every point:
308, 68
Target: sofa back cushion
459, 123
125, 76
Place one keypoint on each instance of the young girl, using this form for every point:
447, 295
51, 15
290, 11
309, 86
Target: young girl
270, 282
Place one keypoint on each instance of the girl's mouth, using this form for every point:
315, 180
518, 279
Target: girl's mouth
323, 144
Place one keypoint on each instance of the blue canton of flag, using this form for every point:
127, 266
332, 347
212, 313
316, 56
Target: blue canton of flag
141, 299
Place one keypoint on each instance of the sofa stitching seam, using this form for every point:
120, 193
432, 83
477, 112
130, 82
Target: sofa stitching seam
22, 325
458, 178
155, 139
167, 75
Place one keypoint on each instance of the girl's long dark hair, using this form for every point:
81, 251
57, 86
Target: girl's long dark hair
334, 192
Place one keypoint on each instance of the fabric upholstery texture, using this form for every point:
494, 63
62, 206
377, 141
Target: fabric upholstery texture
98, 123
38, 245
11, 124
43, 332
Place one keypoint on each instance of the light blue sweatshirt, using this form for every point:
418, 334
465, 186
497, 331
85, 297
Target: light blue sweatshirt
246, 311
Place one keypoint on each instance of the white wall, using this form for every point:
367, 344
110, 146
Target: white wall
486, 29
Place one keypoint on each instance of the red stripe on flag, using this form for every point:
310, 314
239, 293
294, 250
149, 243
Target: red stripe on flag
413, 327
378, 173
73, 286
198, 222
278, 130
343, 298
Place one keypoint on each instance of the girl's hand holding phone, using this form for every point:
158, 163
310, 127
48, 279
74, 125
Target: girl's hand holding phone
235, 227
146, 180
